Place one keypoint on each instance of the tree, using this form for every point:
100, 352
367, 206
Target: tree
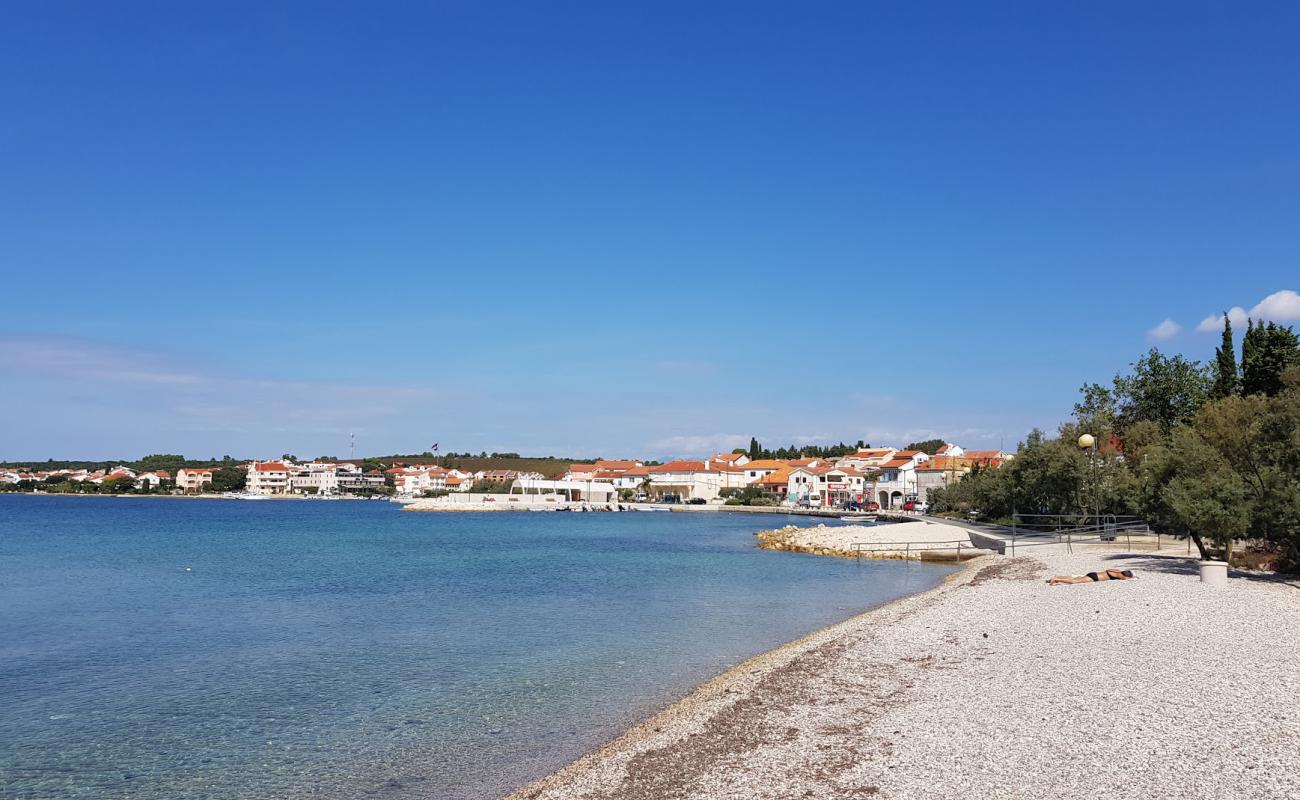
1226, 379
1235, 471
229, 479
1163, 389
1267, 351
1095, 412
929, 446
755, 450
157, 461
118, 485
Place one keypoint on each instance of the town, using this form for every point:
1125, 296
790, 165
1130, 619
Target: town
868, 478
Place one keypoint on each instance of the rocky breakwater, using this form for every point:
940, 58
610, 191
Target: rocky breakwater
921, 540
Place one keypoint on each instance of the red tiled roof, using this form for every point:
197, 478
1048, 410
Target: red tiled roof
271, 466
896, 463
944, 463
766, 463
681, 466
778, 478
618, 465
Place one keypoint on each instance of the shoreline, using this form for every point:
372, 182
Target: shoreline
992, 684
720, 687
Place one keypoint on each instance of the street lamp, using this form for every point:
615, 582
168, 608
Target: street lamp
1088, 442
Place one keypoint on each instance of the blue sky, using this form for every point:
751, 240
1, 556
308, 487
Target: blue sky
618, 229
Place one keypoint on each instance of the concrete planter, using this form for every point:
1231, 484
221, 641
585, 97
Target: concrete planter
1214, 573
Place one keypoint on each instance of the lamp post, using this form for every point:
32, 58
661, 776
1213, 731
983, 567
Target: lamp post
1088, 442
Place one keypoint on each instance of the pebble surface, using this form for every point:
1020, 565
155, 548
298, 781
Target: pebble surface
995, 685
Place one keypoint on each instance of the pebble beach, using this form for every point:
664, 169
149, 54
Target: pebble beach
995, 684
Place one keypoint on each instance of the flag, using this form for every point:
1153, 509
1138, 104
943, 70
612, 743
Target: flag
435, 447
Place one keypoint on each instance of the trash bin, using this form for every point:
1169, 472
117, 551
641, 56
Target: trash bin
1214, 573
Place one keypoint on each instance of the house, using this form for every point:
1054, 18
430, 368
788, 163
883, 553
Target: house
868, 458
320, 478
268, 478
117, 474
733, 459
897, 479
940, 471
779, 481
603, 465
686, 480
581, 472
760, 468
824, 486
193, 479
986, 456
152, 479
354, 480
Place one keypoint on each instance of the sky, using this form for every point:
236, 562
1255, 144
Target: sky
623, 229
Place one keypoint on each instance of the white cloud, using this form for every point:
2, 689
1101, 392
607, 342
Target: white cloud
166, 393
1214, 322
706, 444
1165, 330
1283, 306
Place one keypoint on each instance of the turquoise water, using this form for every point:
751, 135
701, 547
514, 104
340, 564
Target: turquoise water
348, 649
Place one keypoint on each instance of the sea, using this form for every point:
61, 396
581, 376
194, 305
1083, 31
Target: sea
186, 649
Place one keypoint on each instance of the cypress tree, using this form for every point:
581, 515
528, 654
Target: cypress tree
1266, 352
1225, 364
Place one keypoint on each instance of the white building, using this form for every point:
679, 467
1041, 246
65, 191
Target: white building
897, 480
268, 478
685, 480
868, 458
314, 478
152, 479
193, 479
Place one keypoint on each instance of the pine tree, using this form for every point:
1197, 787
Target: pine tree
1267, 351
755, 452
1225, 364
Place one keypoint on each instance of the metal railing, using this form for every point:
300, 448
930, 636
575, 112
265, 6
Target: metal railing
906, 549
1108, 528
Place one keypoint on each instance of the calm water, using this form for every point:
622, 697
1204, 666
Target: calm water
349, 649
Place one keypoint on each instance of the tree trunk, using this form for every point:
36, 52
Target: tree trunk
1200, 545
1227, 553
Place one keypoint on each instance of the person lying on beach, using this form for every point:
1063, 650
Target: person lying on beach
1093, 577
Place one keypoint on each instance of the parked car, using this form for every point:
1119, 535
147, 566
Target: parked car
921, 505
696, 501
872, 506
670, 498
910, 505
